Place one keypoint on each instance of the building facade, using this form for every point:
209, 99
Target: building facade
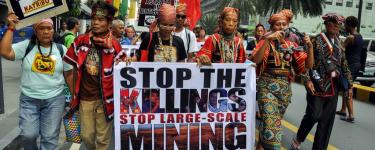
345, 8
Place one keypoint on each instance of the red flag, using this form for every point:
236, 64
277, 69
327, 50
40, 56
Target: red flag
193, 11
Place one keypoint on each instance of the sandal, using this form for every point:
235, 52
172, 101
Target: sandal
347, 119
295, 145
341, 113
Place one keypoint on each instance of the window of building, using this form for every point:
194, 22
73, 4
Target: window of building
329, 2
369, 6
339, 2
349, 3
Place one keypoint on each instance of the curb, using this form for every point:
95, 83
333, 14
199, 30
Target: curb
364, 93
16, 144
11, 141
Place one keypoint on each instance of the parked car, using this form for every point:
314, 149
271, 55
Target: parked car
366, 76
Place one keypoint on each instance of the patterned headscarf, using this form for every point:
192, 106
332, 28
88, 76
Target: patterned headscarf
167, 11
285, 14
47, 20
334, 17
181, 8
227, 10
103, 9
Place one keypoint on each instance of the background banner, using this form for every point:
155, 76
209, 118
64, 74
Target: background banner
182, 106
149, 10
31, 11
130, 50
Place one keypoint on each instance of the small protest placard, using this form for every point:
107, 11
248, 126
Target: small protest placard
30, 11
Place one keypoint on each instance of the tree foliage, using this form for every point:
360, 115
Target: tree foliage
310, 8
74, 9
209, 22
246, 7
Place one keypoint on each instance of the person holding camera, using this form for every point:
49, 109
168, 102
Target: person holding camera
329, 73
276, 58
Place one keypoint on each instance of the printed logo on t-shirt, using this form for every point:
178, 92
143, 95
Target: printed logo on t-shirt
44, 65
165, 53
92, 62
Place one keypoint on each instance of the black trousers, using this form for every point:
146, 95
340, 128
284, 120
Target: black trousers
319, 110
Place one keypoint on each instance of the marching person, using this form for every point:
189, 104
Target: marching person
187, 36
118, 30
225, 46
201, 35
276, 58
330, 71
73, 27
162, 46
259, 33
355, 56
42, 82
93, 56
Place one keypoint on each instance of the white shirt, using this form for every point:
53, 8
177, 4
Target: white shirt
193, 40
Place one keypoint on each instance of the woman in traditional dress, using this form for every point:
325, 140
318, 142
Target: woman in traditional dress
225, 46
277, 59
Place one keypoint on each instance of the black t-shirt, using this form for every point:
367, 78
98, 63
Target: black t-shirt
251, 45
353, 51
177, 43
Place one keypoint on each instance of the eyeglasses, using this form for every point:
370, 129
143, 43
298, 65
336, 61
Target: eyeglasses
181, 16
164, 27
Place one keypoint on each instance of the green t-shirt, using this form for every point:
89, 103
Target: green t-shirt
69, 39
41, 78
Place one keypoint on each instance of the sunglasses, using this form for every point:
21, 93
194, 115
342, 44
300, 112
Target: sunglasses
181, 16
166, 27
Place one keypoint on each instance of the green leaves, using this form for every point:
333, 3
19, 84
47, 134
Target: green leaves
246, 7
305, 7
209, 22
74, 9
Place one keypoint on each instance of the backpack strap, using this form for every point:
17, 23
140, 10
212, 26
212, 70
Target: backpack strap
61, 49
30, 47
188, 40
144, 52
62, 40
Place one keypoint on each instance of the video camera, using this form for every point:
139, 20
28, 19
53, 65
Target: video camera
300, 35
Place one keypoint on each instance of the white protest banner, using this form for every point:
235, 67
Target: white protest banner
182, 106
31, 11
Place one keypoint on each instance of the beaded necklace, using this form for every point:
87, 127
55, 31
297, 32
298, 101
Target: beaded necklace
49, 54
227, 50
166, 51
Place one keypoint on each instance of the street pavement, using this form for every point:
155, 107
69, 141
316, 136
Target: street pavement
11, 85
345, 136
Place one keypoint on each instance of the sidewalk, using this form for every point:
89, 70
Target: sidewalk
9, 130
